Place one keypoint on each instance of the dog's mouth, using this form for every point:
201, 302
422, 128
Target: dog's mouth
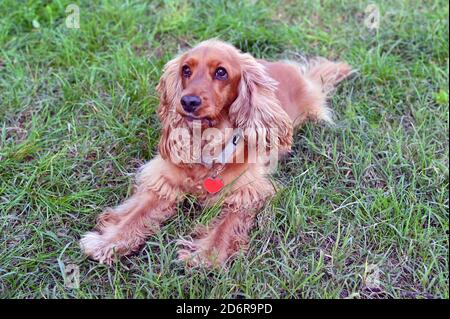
205, 120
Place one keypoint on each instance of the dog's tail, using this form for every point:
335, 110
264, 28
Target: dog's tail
327, 73
321, 77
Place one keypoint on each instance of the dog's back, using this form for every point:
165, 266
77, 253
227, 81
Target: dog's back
304, 87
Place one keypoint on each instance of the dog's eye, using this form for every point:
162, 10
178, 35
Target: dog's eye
221, 74
186, 71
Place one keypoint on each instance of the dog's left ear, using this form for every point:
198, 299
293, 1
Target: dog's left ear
169, 89
257, 109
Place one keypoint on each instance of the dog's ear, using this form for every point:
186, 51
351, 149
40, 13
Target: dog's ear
256, 109
169, 90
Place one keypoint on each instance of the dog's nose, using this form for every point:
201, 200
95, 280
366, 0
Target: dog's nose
190, 103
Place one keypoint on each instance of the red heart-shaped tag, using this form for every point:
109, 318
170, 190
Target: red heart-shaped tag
213, 185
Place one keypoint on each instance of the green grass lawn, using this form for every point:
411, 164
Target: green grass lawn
366, 197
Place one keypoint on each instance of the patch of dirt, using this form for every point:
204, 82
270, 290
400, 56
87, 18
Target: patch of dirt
371, 179
17, 129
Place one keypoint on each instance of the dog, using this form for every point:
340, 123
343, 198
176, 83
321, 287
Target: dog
215, 87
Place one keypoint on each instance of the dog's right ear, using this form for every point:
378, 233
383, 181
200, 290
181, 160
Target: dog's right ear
169, 88
257, 109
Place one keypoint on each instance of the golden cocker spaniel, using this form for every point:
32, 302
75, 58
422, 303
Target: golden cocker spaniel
226, 118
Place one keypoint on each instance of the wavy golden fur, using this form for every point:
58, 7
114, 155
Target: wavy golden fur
253, 95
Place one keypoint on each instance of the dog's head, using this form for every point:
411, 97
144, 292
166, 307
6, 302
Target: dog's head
215, 79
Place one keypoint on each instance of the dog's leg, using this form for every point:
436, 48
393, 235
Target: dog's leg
123, 230
228, 233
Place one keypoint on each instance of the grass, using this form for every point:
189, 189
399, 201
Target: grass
77, 117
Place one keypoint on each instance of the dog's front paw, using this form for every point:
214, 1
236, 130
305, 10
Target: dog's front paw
99, 248
197, 253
